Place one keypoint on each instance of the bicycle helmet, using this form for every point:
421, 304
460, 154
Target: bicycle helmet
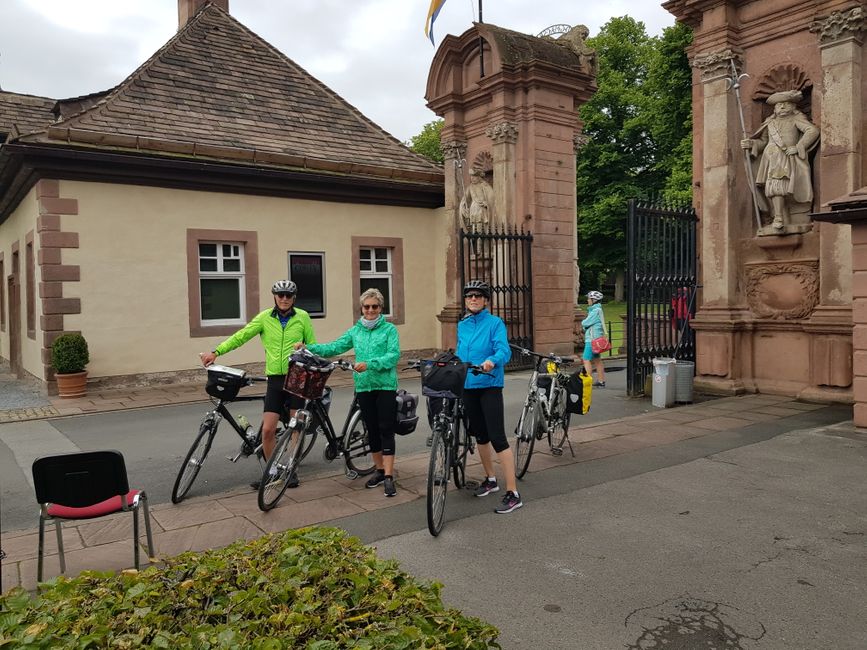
595, 296
284, 286
478, 285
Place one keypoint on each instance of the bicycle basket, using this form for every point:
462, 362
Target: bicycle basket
407, 420
307, 375
578, 392
225, 382
443, 377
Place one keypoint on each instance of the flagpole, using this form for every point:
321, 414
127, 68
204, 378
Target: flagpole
481, 46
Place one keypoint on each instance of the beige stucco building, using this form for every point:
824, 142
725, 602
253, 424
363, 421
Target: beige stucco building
155, 216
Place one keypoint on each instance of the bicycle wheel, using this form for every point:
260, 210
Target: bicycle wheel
356, 447
194, 459
461, 449
284, 460
525, 438
437, 480
557, 435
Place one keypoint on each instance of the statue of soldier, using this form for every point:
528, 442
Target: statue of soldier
784, 141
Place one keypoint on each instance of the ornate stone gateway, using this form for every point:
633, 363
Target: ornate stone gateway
662, 277
503, 258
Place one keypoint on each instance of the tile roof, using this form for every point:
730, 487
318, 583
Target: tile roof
21, 114
216, 89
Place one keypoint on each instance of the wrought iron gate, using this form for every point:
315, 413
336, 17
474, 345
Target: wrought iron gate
502, 257
662, 280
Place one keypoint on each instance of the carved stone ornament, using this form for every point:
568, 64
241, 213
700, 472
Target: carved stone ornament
454, 150
840, 25
484, 163
503, 132
578, 142
783, 291
717, 64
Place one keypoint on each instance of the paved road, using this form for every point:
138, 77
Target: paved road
155, 440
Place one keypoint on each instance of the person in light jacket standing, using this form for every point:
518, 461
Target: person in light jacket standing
482, 341
594, 327
377, 350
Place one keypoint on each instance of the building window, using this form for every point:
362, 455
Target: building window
374, 272
222, 280
377, 263
30, 286
307, 270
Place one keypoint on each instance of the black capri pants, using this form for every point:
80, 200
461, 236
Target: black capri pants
484, 408
379, 412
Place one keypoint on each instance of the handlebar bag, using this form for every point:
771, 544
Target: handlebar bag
579, 389
444, 376
224, 382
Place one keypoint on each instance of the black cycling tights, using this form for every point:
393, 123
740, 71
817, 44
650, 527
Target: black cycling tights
379, 412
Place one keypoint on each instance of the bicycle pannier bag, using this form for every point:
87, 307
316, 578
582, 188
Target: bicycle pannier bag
444, 376
307, 375
224, 382
579, 388
600, 345
407, 403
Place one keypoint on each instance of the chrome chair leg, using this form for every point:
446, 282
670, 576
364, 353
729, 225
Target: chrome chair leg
60, 553
41, 548
147, 520
135, 534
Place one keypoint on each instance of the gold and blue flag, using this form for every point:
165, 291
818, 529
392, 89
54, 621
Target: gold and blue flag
432, 13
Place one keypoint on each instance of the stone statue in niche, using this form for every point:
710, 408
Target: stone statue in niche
783, 176
477, 204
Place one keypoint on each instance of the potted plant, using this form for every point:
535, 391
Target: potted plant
69, 356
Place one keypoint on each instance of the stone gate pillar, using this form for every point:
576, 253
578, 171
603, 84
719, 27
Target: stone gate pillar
519, 120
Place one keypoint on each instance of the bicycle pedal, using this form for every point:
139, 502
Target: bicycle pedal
556, 451
235, 458
351, 474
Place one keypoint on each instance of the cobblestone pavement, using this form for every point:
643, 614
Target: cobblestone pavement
20, 395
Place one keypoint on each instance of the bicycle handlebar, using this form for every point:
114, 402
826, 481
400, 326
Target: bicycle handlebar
551, 357
415, 364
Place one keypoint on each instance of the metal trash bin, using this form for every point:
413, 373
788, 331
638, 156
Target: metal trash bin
663, 382
684, 373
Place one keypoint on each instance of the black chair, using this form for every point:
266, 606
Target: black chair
85, 485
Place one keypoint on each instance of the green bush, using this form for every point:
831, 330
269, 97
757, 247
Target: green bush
312, 588
69, 354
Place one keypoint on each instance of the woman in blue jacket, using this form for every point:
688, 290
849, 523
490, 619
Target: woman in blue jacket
594, 327
482, 341
377, 350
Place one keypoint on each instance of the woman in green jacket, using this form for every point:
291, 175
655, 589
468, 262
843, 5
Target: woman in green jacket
377, 350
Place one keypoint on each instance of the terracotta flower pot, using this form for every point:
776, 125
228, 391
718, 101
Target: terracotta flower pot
73, 384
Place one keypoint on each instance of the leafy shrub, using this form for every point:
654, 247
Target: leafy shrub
312, 588
69, 354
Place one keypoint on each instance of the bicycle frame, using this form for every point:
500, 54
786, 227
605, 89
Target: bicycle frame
314, 412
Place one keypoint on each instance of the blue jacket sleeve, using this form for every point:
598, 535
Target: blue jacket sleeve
592, 319
502, 352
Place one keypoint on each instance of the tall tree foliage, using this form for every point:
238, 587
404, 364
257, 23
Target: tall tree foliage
639, 127
427, 143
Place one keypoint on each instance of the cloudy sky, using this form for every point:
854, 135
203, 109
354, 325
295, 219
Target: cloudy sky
372, 52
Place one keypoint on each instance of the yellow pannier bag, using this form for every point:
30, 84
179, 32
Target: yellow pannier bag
579, 392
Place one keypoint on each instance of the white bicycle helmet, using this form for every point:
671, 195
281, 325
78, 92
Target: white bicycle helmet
478, 285
595, 296
284, 286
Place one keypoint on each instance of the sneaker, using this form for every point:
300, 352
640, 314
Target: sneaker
377, 479
599, 384
390, 490
487, 486
510, 502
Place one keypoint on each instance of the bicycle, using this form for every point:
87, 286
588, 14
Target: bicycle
223, 386
544, 411
450, 446
352, 444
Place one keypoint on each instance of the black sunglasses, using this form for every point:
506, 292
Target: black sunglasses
283, 294
474, 295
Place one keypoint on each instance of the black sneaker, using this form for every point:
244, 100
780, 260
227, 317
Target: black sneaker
599, 384
487, 486
375, 480
390, 490
510, 502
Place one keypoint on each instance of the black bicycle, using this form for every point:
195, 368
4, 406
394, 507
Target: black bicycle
544, 412
300, 434
223, 385
450, 446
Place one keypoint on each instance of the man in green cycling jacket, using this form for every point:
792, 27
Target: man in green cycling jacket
280, 329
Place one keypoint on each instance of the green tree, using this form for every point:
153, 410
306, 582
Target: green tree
427, 143
639, 128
